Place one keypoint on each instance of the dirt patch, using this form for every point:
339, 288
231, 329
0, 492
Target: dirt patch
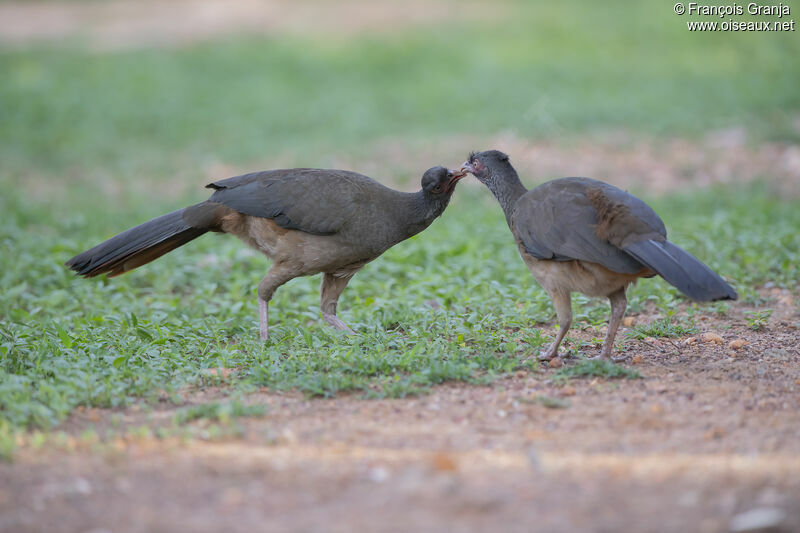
709, 433
120, 24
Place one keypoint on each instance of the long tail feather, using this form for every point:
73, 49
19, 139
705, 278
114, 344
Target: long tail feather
136, 246
683, 270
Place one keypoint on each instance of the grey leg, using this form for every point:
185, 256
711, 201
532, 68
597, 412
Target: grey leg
276, 276
618, 305
332, 287
562, 301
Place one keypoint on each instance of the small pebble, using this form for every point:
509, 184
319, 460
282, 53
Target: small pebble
710, 337
737, 344
444, 462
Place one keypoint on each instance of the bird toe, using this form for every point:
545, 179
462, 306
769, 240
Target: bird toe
547, 355
337, 323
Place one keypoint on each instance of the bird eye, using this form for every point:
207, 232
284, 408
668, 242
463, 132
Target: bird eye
437, 188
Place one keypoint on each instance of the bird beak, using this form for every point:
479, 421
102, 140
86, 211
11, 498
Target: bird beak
455, 175
467, 167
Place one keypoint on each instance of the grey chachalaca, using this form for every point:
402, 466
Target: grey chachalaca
583, 235
306, 220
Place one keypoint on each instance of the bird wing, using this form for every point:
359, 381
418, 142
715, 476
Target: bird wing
560, 220
315, 201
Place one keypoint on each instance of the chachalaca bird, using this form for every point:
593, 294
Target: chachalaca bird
308, 221
583, 235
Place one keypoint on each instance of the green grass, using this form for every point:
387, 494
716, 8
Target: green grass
757, 320
66, 341
588, 368
664, 327
87, 136
216, 411
551, 402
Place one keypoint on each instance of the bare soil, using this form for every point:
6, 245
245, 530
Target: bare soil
709, 433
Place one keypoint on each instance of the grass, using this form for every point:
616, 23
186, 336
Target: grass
66, 341
88, 136
552, 402
757, 320
216, 411
663, 327
587, 368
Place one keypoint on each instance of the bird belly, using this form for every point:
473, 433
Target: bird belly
585, 277
304, 253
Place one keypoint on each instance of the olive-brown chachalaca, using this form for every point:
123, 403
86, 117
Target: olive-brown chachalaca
583, 235
306, 220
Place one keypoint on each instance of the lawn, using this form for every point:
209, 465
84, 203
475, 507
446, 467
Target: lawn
93, 143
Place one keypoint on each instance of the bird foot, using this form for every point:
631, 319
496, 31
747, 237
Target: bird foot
547, 355
337, 323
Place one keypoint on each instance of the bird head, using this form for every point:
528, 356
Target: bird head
488, 166
441, 181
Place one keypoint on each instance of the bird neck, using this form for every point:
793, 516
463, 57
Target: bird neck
507, 189
424, 210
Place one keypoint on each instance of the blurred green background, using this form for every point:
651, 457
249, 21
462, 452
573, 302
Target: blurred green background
522, 67
99, 134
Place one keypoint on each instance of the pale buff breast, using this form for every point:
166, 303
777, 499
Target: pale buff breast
308, 254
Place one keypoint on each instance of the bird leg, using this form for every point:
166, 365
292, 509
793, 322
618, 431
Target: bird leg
332, 287
276, 276
618, 304
563, 304
263, 318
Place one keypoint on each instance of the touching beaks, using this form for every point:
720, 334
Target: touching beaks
467, 167
455, 175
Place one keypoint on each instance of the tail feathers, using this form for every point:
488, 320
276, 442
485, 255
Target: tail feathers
136, 246
682, 269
